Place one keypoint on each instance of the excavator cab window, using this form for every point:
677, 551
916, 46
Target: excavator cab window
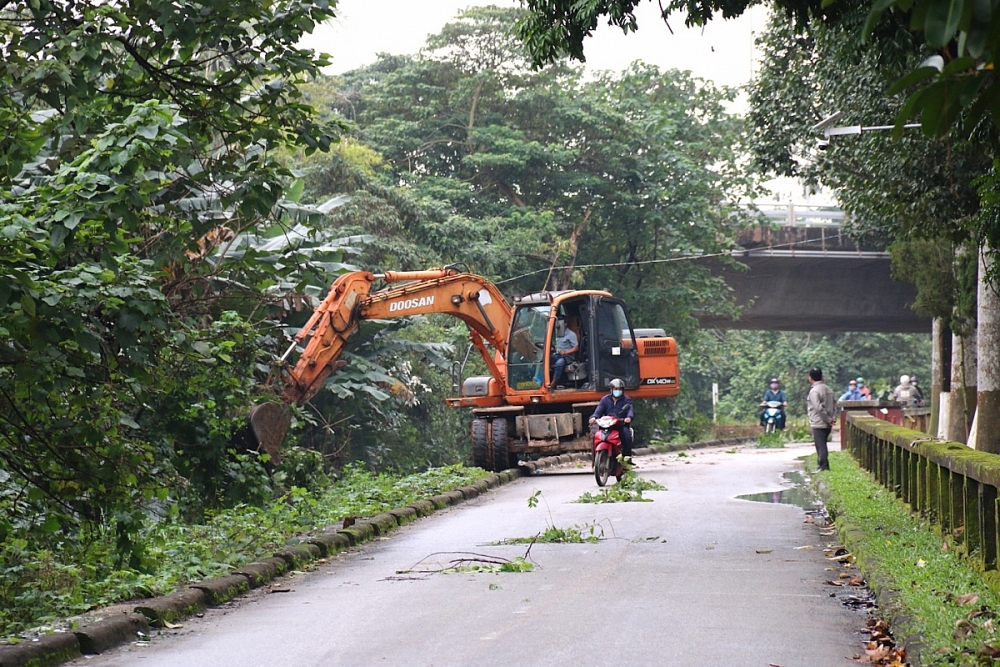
526, 354
618, 356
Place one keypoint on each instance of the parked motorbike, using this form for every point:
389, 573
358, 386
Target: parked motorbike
607, 450
773, 417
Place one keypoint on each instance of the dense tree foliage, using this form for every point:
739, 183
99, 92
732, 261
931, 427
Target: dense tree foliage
919, 196
539, 177
742, 362
958, 84
138, 139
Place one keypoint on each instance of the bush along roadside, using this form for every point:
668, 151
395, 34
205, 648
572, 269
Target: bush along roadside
940, 607
37, 588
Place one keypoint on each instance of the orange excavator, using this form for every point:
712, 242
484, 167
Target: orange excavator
517, 409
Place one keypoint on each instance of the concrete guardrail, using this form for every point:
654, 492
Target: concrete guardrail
953, 486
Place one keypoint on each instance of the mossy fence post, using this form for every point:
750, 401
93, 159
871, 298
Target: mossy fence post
952, 486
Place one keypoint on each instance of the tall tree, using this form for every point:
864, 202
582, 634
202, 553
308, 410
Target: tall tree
547, 179
139, 139
959, 83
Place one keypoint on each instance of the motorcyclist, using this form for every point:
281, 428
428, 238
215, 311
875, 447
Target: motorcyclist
852, 393
866, 394
772, 394
904, 392
617, 404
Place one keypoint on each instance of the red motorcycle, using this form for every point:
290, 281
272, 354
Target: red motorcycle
607, 450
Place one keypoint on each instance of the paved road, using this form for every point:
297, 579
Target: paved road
681, 583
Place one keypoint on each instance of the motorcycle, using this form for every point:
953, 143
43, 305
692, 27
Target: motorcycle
773, 417
607, 450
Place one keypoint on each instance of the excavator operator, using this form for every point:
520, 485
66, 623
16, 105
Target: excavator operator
567, 345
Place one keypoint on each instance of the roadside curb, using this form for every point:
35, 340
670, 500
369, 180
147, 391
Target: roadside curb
853, 538
123, 628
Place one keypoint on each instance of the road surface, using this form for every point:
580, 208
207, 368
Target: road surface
696, 577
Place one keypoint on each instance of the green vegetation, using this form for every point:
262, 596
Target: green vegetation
962, 94
743, 361
518, 564
943, 599
771, 440
628, 490
41, 585
588, 532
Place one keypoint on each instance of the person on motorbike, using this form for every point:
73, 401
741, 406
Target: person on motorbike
852, 393
617, 404
774, 394
866, 394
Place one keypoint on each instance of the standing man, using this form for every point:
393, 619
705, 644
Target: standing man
567, 346
822, 409
617, 404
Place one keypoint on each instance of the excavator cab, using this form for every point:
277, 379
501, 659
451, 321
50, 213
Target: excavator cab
606, 340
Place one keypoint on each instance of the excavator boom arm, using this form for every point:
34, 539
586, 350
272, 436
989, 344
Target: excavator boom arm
471, 298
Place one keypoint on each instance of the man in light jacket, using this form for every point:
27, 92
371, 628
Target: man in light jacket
822, 410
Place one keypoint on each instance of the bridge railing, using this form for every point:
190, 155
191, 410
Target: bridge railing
951, 485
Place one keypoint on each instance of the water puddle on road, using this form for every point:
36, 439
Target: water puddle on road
799, 495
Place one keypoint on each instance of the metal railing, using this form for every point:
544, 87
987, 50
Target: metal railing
953, 486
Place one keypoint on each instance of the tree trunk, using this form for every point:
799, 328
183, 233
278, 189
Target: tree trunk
940, 369
988, 360
962, 404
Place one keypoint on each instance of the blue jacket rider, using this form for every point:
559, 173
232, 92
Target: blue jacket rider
773, 393
617, 404
852, 393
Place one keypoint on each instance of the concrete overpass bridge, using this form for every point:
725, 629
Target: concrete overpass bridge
802, 274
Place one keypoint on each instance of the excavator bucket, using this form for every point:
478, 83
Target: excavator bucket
268, 423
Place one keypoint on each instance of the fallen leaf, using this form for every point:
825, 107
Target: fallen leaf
844, 575
763, 551
280, 590
805, 546
809, 519
963, 629
172, 626
968, 598
856, 581
989, 651
921, 563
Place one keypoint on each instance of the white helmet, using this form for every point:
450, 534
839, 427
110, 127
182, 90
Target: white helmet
617, 384
904, 379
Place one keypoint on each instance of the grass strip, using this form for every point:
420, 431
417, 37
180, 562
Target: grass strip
39, 587
939, 596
